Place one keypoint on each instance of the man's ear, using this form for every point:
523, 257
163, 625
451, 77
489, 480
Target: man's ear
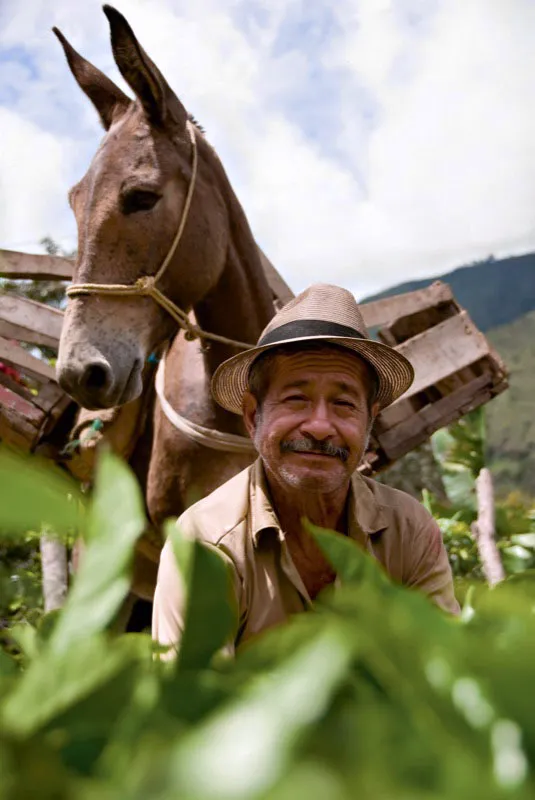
374, 411
250, 411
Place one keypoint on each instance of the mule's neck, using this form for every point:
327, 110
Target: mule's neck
241, 304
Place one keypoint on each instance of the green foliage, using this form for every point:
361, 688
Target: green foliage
511, 415
375, 693
461, 451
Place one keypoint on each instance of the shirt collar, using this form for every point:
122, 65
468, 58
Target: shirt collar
364, 510
263, 516
365, 514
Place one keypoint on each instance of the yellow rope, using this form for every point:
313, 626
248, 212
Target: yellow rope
146, 285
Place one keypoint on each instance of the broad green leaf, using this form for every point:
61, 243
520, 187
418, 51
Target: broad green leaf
351, 563
8, 666
55, 682
25, 637
524, 539
245, 748
116, 520
210, 616
35, 493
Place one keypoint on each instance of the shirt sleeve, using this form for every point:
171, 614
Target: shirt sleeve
169, 605
430, 570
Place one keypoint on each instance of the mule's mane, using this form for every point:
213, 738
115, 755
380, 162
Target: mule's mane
196, 123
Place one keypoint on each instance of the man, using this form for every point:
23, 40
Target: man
309, 393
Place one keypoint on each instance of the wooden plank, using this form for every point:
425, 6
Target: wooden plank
49, 395
29, 321
16, 355
442, 350
16, 265
16, 431
387, 310
14, 386
278, 285
21, 406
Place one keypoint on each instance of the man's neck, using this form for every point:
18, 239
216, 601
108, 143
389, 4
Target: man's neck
322, 510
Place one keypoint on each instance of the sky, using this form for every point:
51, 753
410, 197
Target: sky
370, 142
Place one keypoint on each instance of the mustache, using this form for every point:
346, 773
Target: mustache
312, 445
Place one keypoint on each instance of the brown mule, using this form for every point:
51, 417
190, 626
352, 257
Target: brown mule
128, 208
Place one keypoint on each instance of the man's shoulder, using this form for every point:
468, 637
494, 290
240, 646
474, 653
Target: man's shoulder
220, 512
396, 505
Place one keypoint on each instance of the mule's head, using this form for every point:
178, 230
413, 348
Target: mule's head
128, 207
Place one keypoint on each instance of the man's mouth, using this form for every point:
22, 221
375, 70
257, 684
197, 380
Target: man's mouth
315, 448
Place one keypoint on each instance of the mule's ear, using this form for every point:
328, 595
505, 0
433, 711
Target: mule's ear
141, 74
107, 98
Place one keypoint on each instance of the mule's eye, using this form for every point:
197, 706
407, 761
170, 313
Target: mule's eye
139, 200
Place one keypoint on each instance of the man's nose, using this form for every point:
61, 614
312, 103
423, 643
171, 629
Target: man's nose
318, 423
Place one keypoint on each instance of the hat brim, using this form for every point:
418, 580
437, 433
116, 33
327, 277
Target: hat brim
394, 371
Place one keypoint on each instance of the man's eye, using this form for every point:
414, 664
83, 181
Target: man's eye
345, 403
139, 200
295, 398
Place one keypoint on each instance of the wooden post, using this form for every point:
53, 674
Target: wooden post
484, 529
55, 574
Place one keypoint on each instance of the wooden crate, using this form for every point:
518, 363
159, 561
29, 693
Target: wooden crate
456, 369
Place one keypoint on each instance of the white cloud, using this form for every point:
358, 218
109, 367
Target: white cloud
426, 158
34, 169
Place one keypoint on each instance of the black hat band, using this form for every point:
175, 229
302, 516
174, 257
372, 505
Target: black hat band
304, 328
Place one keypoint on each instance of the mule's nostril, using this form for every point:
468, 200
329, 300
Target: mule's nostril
96, 376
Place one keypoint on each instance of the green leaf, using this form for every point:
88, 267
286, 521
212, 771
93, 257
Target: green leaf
35, 493
351, 562
210, 616
116, 520
8, 666
524, 539
55, 682
25, 637
245, 748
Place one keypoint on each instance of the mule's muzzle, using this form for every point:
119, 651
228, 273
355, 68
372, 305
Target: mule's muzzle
90, 383
93, 383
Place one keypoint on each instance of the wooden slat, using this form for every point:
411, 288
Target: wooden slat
385, 311
278, 285
17, 431
25, 265
29, 321
21, 406
442, 350
19, 357
419, 427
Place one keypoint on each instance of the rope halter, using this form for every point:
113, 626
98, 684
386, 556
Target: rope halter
146, 285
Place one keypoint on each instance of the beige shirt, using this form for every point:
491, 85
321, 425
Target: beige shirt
239, 520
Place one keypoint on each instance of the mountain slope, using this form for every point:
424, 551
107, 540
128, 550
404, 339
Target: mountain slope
511, 415
495, 292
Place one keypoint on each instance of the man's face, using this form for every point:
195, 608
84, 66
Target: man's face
313, 425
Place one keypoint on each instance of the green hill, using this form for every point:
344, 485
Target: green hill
495, 292
511, 415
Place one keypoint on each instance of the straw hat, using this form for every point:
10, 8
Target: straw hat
322, 313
